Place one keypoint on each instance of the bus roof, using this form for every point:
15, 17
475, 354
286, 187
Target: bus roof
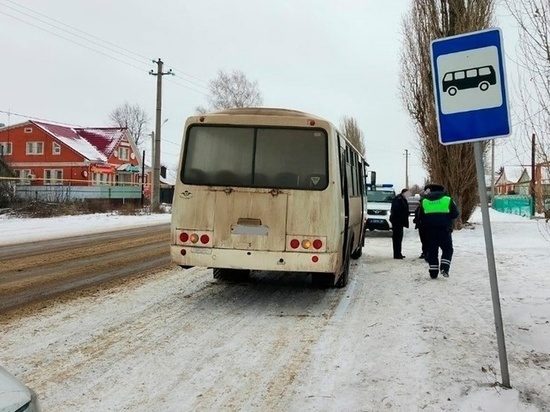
266, 111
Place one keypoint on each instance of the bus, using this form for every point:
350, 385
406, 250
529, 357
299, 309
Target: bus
475, 77
266, 189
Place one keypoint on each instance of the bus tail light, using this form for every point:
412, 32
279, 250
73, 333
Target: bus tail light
306, 243
315, 259
194, 237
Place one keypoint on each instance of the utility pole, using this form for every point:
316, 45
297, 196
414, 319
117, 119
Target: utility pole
142, 177
407, 168
155, 183
532, 185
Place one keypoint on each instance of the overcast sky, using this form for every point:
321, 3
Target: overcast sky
327, 58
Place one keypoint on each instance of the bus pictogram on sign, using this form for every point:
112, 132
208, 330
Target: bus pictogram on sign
471, 78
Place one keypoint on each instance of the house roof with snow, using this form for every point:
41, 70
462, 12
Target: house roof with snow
95, 144
513, 174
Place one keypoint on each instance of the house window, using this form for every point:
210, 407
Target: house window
53, 176
5, 148
100, 179
27, 130
56, 148
24, 176
35, 148
123, 153
123, 179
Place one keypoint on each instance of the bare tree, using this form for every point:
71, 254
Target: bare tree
232, 90
533, 19
351, 130
132, 117
452, 166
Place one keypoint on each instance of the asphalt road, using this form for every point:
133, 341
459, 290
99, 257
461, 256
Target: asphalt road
31, 272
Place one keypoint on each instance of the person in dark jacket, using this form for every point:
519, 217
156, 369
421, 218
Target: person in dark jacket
399, 218
421, 232
437, 212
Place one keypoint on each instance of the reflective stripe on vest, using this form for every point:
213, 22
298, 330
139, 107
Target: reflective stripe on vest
437, 206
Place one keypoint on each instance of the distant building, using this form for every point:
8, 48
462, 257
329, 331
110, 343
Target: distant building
75, 162
516, 180
513, 180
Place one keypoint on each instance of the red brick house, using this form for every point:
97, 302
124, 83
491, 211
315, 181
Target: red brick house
46, 155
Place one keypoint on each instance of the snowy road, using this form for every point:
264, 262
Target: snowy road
38, 270
178, 340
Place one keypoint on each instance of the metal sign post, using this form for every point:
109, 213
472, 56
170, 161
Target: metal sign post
478, 153
472, 106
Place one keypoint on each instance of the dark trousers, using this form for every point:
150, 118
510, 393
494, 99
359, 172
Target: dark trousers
439, 238
397, 240
423, 240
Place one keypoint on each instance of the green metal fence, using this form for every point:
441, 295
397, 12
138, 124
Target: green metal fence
514, 204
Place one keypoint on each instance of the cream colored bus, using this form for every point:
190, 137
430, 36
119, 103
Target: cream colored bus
268, 190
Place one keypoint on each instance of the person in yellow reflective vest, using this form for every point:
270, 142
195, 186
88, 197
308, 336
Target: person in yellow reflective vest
437, 212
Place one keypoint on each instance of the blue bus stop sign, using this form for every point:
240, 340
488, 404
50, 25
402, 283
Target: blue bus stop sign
470, 87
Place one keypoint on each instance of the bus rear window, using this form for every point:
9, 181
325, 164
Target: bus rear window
288, 158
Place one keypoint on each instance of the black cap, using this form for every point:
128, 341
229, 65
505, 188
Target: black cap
434, 187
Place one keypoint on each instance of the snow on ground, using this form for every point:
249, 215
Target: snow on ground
392, 340
20, 230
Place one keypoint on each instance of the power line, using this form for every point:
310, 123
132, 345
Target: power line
529, 117
140, 59
31, 117
77, 35
72, 41
72, 28
9, 113
187, 87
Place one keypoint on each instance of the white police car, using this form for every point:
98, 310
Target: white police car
379, 200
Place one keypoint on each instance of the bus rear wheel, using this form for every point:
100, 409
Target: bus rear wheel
232, 275
344, 276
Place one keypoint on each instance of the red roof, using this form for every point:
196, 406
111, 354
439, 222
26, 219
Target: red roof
92, 143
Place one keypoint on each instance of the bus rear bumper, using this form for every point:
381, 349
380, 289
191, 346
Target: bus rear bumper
255, 259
